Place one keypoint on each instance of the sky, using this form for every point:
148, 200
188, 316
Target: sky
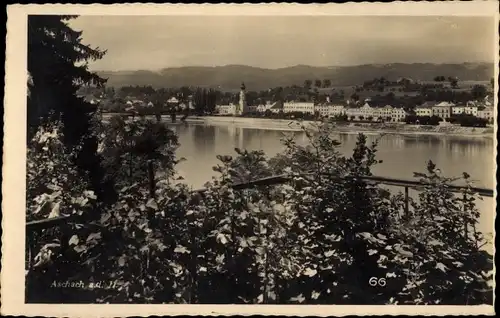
156, 42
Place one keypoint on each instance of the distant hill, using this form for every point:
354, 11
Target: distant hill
229, 77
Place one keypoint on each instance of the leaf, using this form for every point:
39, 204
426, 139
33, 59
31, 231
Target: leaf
80, 248
93, 237
441, 267
74, 240
436, 243
90, 194
203, 269
189, 212
121, 261
389, 275
41, 207
371, 252
260, 250
298, 298
105, 217
181, 249
315, 294
260, 299
220, 258
458, 264
82, 201
152, 204
382, 237
403, 252
221, 238
310, 272
329, 253
55, 211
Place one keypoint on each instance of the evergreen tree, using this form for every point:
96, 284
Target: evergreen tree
58, 68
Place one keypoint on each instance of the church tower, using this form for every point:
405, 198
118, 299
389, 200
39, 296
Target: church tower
243, 101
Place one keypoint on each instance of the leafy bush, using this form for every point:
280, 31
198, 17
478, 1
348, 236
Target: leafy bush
54, 189
317, 239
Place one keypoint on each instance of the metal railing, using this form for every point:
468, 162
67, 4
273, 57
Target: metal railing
280, 179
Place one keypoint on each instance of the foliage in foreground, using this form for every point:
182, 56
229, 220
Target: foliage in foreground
317, 239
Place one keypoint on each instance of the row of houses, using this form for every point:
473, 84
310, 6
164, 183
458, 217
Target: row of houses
232, 109
387, 113
328, 110
447, 110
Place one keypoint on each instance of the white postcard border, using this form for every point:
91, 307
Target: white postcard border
14, 158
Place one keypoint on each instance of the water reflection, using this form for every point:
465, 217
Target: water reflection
204, 138
401, 155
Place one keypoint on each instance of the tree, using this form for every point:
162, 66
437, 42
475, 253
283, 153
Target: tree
327, 83
453, 81
199, 100
479, 91
57, 64
307, 84
317, 83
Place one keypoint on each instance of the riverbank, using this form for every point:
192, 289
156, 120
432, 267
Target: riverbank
347, 128
370, 128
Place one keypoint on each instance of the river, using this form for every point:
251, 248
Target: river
401, 155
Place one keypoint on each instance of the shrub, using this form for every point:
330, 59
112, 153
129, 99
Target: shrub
317, 239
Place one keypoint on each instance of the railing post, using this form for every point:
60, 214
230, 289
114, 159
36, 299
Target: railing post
407, 203
466, 230
151, 177
29, 243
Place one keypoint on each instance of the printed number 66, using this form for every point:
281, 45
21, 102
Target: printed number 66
374, 282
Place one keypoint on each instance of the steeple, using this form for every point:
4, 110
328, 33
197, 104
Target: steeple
243, 103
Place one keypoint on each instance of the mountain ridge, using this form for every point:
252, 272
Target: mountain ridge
229, 77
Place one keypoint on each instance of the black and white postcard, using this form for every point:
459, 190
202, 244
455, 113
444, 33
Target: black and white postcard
188, 157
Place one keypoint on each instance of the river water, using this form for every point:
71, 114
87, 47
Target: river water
401, 155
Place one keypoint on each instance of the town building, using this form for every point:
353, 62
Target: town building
136, 103
251, 108
323, 110
263, 107
173, 103
375, 114
366, 111
353, 113
226, 109
425, 109
337, 110
398, 114
385, 113
487, 113
304, 107
471, 109
442, 110
458, 109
